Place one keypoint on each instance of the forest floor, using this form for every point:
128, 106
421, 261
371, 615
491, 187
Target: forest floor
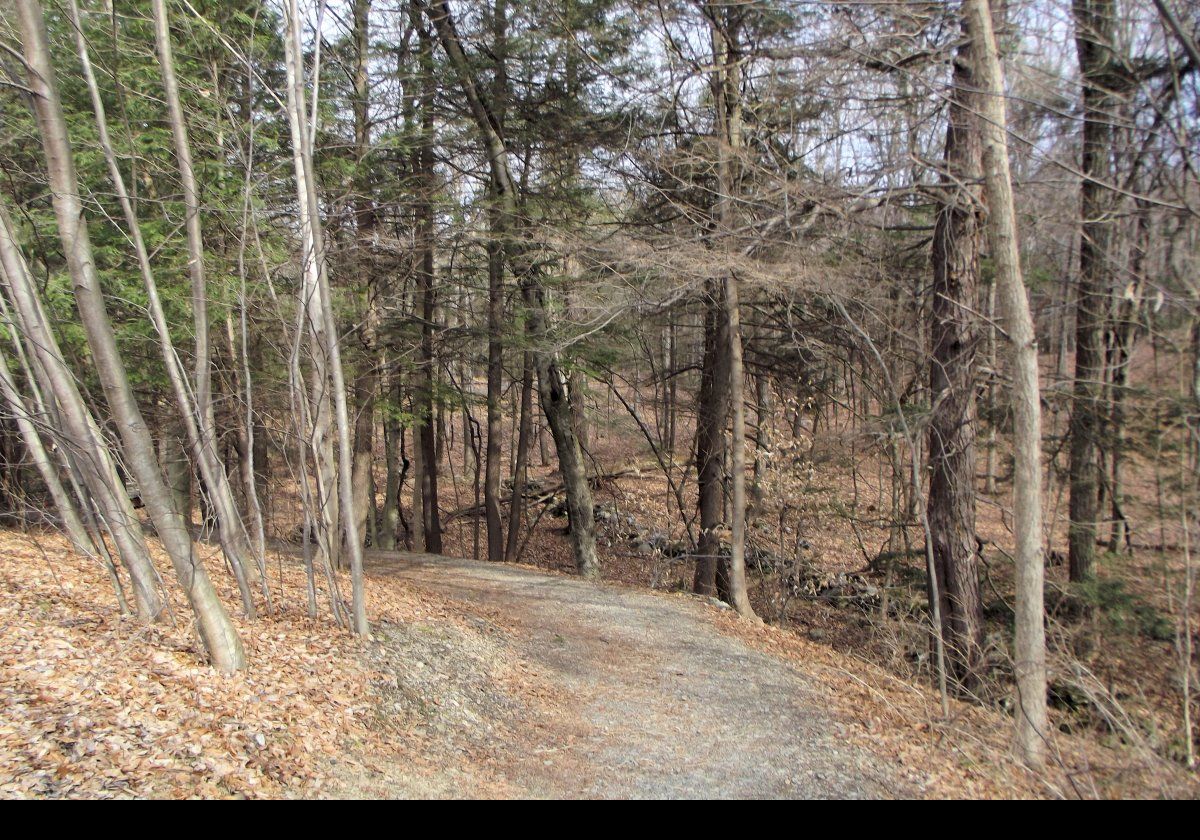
480, 680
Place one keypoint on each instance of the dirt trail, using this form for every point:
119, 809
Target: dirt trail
648, 699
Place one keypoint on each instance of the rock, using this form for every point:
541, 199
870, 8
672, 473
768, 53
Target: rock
816, 634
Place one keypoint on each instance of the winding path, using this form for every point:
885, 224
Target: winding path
655, 700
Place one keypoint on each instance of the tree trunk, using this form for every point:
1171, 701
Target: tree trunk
367, 381
495, 374
322, 323
77, 431
73, 525
552, 386
498, 235
952, 426
712, 410
216, 630
235, 542
396, 466
516, 509
427, 410
725, 25
1029, 654
1094, 29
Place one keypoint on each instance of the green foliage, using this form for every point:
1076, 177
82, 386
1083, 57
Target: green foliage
1122, 610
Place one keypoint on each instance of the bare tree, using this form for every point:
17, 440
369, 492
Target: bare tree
952, 427
1094, 30
319, 308
1029, 655
216, 630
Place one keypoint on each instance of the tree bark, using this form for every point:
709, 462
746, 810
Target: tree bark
367, 382
77, 431
202, 432
495, 374
712, 411
516, 509
1029, 654
725, 23
498, 234
426, 280
322, 322
1094, 31
952, 426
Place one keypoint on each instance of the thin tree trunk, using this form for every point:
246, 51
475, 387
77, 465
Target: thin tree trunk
202, 432
495, 372
216, 630
712, 410
495, 305
367, 382
78, 433
324, 325
1029, 655
72, 523
516, 509
429, 408
552, 386
725, 24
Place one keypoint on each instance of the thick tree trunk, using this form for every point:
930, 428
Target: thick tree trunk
952, 425
556, 405
712, 411
1094, 31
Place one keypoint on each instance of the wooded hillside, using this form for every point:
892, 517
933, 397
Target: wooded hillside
877, 322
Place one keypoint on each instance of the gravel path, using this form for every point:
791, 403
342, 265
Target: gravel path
651, 700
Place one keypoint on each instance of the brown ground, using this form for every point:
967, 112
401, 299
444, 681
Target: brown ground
480, 680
